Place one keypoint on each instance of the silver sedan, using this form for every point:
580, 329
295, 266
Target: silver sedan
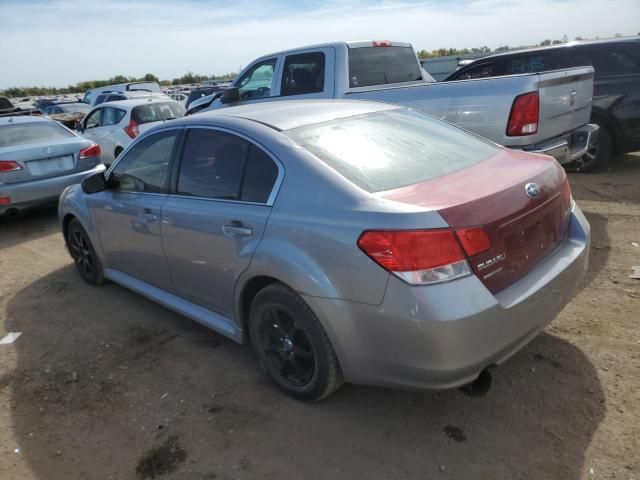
343, 240
39, 158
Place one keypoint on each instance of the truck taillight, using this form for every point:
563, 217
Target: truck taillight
90, 151
421, 257
524, 116
9, 166
131, 129
381, 43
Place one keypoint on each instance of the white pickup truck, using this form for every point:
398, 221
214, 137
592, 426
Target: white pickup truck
543, 112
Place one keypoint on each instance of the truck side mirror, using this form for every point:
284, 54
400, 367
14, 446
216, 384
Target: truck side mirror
230, 95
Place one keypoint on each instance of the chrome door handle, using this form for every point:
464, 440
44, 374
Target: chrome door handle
237, 230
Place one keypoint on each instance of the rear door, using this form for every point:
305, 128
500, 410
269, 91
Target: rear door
214, 219
127, 216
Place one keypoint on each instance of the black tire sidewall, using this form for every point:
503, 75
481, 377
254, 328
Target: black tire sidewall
284, 298
96, 278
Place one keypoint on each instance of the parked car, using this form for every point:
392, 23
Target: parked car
201, 92
133, 95
528, 111
616, 96
68, 114
114, 125
8, 109
90, 95
179, 97
342, 239
39, 158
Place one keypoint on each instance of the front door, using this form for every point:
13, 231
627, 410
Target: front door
127, 216
214, 221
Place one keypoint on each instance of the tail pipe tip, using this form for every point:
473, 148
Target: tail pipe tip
480, 386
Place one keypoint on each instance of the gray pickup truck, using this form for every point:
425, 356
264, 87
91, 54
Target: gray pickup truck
542, 112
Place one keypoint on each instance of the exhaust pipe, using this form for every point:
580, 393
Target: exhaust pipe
479, 387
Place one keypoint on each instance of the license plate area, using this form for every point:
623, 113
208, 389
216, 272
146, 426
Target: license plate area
50, 166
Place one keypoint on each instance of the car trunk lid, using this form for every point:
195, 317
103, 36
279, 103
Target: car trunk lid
523, 230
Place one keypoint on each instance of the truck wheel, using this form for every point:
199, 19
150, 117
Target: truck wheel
291, 345
597, 158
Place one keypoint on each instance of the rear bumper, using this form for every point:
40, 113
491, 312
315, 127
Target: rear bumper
443, 336
570, 146
25, 195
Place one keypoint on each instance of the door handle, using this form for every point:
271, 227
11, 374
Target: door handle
148, 215
237, 229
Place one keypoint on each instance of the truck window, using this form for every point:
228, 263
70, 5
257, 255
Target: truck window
382, 65
533, 63
303, 73
482, 70
618, 59
256, 82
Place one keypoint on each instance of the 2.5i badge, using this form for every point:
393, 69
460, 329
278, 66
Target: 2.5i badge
491, 261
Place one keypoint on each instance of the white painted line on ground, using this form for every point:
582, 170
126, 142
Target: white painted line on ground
10, 338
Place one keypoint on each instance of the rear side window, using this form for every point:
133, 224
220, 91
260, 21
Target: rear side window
112, 116
381, 65
612, 59
33, 132
221, 165
303, 73
157, 112
392, 149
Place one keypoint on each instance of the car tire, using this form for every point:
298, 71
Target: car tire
291, 345
597, 158
83, 254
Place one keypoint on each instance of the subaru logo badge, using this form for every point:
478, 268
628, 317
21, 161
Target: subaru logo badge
532, 190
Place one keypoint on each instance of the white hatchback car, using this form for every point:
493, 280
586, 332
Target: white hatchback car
114, 125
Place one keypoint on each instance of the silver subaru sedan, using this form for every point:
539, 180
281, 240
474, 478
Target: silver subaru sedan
344, 240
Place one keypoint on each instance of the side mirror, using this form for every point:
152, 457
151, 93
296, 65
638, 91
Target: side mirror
230, 95
94, 183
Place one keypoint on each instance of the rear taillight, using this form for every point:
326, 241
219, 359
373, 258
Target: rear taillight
474, 240
567, 202
9, 166
417, 256
5, 200
132, 129
523, 119
91, 151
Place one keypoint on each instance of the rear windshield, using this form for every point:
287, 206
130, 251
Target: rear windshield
149, 87
33, 132
392, 149
157, 112
382, 65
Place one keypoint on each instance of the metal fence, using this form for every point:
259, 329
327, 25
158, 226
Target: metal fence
441, 67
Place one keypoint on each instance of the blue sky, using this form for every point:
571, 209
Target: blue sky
57, 42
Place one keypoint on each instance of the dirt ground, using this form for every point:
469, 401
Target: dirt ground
104, 384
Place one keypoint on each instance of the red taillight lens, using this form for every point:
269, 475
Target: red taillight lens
566, 195
9, 166
381, 43
132, 129
474, 240
5, 200
411, 250
91, 151
523, 119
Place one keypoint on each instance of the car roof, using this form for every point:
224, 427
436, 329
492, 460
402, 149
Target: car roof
289, 114
558, 46
12, 120
133, 102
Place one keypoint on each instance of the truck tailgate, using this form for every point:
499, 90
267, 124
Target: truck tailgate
565, 101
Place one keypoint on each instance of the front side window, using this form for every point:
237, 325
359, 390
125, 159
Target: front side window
256, 82
145, 167
112, 116
223, 166
93, 120
393, 148
303, 73
484, 70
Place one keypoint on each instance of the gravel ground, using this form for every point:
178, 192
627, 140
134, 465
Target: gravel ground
104, 384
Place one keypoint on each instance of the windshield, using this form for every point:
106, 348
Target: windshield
33, 132
381, 65
392, 149
157, 112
